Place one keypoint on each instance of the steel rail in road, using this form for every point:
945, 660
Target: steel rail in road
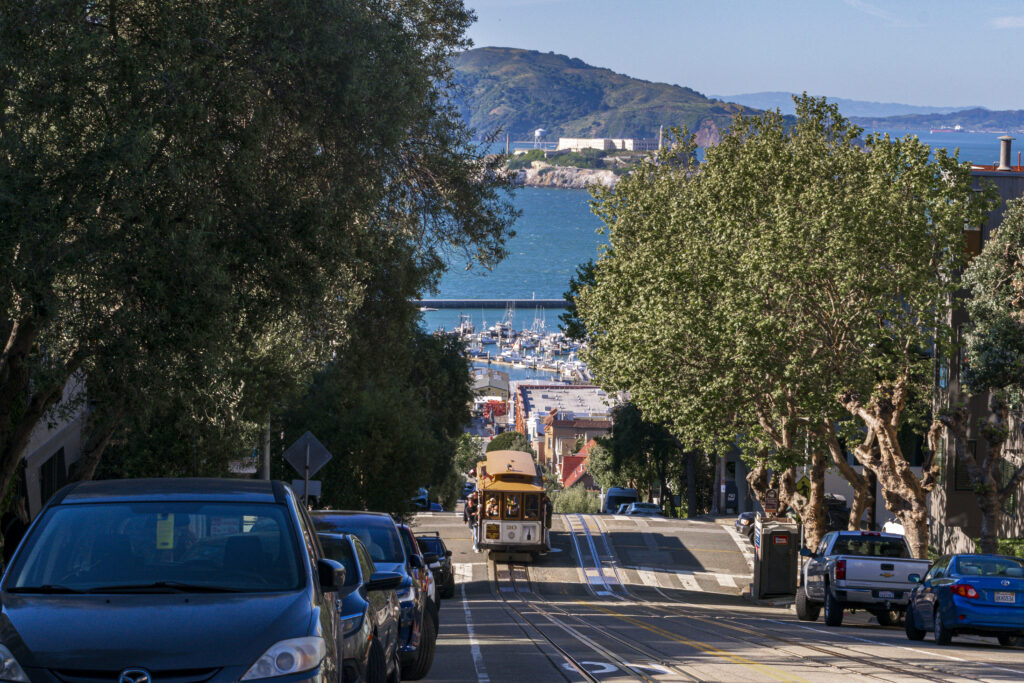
523, 622
757, 637
660, 658
511, 575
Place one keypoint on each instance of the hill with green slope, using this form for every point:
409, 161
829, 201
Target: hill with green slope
518, 91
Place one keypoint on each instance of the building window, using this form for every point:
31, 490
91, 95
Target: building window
962, 478
53, 476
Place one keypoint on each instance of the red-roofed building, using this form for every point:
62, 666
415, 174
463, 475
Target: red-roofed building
574, 468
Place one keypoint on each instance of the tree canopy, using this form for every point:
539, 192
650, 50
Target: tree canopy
792, 286
194, 197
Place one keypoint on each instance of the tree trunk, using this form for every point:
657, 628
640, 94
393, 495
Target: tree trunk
810, 508
905, 495
757, 481
691, 484
84, 469
861, 491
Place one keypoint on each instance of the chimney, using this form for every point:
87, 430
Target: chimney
1004, 153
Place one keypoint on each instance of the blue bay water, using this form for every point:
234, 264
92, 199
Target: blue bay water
557, 232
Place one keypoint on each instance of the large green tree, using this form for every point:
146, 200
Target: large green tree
788, 291
993, 366
192, 195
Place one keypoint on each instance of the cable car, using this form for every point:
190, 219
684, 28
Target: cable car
514, 511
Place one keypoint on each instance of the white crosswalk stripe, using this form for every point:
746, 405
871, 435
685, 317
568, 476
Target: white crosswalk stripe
688, 580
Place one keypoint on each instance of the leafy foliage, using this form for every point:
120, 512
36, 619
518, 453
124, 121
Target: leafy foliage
798, 278
510, 441
572, 326
575, 499
194, 198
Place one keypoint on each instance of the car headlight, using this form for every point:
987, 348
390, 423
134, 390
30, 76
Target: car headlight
10, 670
351, 623
744, 522
287, 657
405, 592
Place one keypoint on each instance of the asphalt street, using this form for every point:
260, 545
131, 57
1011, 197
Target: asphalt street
623, 598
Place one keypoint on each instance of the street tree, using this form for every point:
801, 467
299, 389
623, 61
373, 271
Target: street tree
510, 441
994, 366
191, 195
644, 453
785, 296
572, 326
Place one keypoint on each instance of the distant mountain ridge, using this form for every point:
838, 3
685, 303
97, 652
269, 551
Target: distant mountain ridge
783, 101
519, 91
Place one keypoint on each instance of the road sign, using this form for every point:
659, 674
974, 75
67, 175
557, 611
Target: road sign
307, 456
305, 446
771, 501
804, 486
299, 486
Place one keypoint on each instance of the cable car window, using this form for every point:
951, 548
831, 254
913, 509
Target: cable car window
531, 506
513, 508
491, 506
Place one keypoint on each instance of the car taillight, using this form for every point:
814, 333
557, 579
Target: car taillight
840, 570
963, 590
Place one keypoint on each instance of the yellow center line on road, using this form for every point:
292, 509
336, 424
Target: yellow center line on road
710, 649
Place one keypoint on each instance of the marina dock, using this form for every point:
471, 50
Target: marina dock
489, 303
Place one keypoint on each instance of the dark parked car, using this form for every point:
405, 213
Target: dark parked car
145, 579
369, 612
443, 572
977, 594
417, 626
745, 523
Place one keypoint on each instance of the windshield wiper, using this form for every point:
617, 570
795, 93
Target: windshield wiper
163, 587
45, 588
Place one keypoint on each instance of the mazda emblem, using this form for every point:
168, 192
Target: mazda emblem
134, 676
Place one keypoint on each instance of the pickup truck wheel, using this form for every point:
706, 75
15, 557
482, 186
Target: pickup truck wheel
910, 626
887, 617
833, 609
805, 609
943, 635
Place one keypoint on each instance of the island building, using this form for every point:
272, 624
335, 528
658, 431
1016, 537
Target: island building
609, 144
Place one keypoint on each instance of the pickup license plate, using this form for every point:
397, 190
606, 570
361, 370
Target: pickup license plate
885, 594
1004, 596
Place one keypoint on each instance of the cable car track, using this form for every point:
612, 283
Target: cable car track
521, 585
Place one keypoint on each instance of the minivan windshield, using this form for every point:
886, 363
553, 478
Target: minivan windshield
158, 547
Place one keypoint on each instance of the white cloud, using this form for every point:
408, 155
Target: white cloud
1007, 22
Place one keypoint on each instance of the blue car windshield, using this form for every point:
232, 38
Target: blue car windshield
159, 547
378, 534
990, 566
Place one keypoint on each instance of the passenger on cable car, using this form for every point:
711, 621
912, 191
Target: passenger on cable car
511, 506
492, 506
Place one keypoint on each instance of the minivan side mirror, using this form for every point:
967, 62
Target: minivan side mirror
384, 581
430, 558
914, 578
331, 575
447, 553
416, 562
806, 552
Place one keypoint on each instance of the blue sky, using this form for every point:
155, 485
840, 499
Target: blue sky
923, 52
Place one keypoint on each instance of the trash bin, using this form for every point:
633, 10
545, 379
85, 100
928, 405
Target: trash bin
776, 553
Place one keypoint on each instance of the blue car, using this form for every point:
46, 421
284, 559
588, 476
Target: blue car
976, 594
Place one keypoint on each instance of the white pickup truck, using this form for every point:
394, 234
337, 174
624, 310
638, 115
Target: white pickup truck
865, 570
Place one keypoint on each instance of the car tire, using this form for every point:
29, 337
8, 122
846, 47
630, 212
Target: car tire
910, 626
424, 654
449, 590
833, 609
396, 668
887, 617
376, 663
943, 636
1007, 640
805, 609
